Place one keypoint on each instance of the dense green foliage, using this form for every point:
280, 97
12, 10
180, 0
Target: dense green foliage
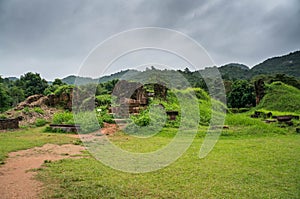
241, 95
40, 122
14, 91
63, 118
5, 99
57, 84
289, 80
32, 84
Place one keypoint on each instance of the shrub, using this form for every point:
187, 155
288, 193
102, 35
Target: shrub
63, 89
26, 110
38, 110
63, 118
88, 122
2, 116
104, 116
40, 122
103, 100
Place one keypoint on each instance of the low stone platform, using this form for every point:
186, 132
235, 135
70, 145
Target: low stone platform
66, 127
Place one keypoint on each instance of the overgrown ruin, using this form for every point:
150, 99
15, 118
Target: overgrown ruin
132, 97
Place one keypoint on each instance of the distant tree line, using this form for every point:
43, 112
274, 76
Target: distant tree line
13, 92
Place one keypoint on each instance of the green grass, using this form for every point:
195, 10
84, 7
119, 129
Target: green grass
252, 159
28, 138
281, 97
244, 166
277, 113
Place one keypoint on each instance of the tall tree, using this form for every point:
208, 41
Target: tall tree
241, 95
32, 84
17, 95
5, 99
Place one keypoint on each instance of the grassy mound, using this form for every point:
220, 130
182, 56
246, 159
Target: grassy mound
281, 97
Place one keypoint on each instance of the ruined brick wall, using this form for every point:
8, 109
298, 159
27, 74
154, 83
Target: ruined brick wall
9, 124
259, 90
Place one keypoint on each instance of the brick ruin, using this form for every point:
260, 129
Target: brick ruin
132, 97
259, 90
9, 124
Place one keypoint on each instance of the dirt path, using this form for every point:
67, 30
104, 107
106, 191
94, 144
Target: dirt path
16, 177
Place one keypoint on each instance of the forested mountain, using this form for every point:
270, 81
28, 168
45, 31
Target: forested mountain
85, 80
79, 80
234, 71
287, 64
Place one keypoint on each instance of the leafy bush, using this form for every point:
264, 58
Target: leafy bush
63, 118
147, 122
103, 115
40, 122
38, 110
63, 89
241, 95
103, 100
2, 116
26, 110
88, 122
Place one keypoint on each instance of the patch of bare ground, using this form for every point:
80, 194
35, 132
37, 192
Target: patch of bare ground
17, 174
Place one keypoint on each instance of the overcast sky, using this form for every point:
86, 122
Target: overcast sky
53, 37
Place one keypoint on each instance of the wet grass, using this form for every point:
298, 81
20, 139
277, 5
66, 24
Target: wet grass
242, 165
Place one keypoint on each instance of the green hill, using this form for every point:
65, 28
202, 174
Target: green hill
281, 97
234, 71
287, 64
80, 80
86, 80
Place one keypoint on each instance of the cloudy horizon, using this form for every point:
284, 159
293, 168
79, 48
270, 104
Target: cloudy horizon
54, 37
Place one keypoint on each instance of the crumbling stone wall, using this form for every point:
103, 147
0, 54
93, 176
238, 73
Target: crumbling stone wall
259, 90
9, 124
130, 90
160, 91
64, 100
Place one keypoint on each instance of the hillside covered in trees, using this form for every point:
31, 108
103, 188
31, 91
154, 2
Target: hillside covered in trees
287, 64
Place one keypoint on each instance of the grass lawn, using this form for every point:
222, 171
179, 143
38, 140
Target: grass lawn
28, 138
251, 160
246, 166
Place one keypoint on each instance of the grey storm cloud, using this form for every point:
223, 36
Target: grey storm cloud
53, 37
